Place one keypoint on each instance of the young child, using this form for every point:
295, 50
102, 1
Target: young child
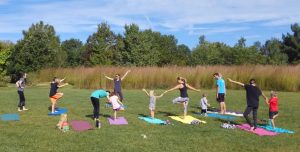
63, 124
152, 101
117, 105
204, 104
54, 95
273, 107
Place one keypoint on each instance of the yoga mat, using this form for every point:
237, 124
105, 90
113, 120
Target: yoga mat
152, 120
258, 131
228, 113
277, 130
188, 119
59, 112
220, 116
118, 121
10, 117
80, 125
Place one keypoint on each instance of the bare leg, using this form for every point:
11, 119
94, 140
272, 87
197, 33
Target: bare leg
53, 101
115, 115
152, 113
185, 104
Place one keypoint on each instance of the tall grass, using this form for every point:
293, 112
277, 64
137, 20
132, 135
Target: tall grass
283, 78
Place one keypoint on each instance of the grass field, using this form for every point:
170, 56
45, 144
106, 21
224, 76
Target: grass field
36, 131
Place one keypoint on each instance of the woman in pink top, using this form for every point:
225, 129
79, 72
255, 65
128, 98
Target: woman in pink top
117, 105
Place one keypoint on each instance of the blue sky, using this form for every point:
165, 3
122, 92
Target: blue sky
218, 20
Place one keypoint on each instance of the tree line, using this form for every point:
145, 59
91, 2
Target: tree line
41, 48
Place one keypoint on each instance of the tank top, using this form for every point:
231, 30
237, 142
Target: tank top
117, 85
183, 91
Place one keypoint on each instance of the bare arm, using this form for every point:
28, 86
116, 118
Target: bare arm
62, 79
266, 98
236, 82
125, 74
159, 96
63, 85
176, 87
192, 88
146, 92
109, 78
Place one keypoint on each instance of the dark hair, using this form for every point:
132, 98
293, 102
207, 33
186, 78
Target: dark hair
54, 78
107, 91
216, 74
252, 81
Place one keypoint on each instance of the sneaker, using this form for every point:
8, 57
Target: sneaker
24, 109
98, 124
19, 109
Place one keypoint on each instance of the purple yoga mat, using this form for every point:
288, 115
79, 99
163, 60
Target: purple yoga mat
81, 125
258, 131
118, 121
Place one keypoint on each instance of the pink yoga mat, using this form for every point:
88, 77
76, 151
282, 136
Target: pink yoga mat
258, 131
81, 125
118, 121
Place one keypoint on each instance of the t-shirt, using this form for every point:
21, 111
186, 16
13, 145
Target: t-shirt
21, 84
252, 95
273, 104
53, 89
114, 102
117, 85
99, 94
221, 84
203, 103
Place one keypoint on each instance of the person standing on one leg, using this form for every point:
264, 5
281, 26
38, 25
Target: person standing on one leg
54, 95
21, 86
221, 91
252, 95
118, 84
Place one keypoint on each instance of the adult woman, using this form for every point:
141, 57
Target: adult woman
117, 84
183, 98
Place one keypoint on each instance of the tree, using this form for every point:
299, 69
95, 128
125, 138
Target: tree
182, 55
73, 48
39, 48
291, 44
273, 52
99, 46
5, 52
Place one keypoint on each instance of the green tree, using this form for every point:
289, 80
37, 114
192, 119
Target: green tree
5, 52
273, 52
291, 44
73, 48
39, 48
99, 46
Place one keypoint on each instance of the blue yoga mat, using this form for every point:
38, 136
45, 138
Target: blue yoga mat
59, 112
277, 130
10, 117
219, 116
152, 121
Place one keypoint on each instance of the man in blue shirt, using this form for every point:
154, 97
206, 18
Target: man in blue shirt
220, 92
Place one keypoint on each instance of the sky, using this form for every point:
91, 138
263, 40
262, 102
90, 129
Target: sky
219, 20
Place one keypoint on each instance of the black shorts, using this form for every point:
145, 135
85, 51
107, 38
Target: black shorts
221, 97
272, 114
203, 111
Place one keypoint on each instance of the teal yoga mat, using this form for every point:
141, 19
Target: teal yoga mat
152, 121
277, 130
219, 116
10, 117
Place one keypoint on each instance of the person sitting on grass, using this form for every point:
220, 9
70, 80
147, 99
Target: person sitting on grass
182, 86
204, 103
117, 105
152, 101
54, 95
252, 95
63, 124
273, 108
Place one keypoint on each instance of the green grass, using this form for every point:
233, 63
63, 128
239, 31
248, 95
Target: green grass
36, 131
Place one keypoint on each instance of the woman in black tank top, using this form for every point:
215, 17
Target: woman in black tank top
184, 98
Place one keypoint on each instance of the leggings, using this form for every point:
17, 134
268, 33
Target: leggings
21, 99
254, 113
119, 93
96, 105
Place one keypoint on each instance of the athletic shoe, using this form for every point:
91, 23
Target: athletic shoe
19, 109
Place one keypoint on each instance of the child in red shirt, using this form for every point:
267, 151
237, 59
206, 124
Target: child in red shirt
273, 107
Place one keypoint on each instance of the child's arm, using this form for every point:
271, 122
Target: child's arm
109, 78
146, 92
236, 82
159, 96
266, 98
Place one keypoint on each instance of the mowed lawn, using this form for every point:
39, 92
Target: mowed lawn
36, 130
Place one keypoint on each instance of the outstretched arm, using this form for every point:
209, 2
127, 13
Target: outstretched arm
125, 74
176, 87
266, 98
109, 78
62, 79
63, 85
159, 96
192, 88
146, 92
236, 82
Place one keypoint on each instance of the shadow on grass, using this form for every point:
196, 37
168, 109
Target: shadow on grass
167, 113
143, 115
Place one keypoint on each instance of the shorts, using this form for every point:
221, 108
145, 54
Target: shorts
152, 106
272, 114
181, 100
56, 96
221, 97
203, 111
117, 109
